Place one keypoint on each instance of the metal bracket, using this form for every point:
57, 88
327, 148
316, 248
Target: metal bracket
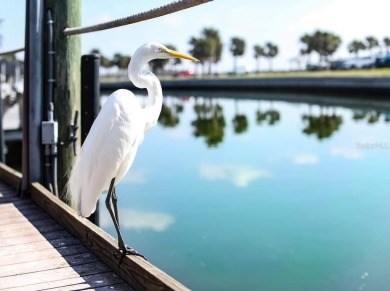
73, 132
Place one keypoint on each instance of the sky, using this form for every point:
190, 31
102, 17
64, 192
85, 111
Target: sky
282, 22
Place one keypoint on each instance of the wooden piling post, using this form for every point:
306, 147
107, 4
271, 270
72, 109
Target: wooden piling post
67, 79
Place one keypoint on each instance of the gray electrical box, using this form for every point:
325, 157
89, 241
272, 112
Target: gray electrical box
49, 132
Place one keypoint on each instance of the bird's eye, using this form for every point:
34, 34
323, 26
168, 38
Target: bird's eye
160, 50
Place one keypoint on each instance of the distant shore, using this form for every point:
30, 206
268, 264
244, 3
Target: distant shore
378, 86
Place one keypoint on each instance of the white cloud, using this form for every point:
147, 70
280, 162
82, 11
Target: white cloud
241, 176
139, 220
305, 159
346, 153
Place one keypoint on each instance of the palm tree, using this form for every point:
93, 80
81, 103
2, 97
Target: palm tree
372, 43
271, 50
200, 49
355, 46
307, 40
237, 48
122, 62
104, 62
322, 42
159, 64
259, 52
386, 42
207, 48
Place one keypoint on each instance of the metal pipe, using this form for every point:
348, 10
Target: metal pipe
153, 13
2, 143
50, 146
90, 102
32, 97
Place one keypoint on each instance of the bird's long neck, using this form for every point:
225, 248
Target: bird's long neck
146, 79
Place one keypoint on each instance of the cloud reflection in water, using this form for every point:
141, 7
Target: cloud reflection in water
241, 176
138, 220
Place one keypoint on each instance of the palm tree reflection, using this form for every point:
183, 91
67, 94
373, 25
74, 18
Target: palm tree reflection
169, 116
240, 121
271, 116
370, 117
322, 126
209, 122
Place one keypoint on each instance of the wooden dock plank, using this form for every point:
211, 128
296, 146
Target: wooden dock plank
47, 264
10, 176
42, 255
28, 279
109, 281
37, 253
139, 273
27, 229
33, 237
40, 245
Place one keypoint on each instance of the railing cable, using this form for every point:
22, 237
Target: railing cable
154, 13
11, 52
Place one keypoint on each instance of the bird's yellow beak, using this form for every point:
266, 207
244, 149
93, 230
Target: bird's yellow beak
176, 54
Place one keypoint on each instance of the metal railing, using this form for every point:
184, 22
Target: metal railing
154, 13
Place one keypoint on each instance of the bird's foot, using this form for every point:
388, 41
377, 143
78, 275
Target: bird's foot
126, 250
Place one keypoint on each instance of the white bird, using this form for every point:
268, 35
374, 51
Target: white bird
111, 145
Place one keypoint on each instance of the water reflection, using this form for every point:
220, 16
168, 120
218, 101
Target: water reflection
370, 116
270, 116
322, 126
240, 121
210, 121
240, 176
139, 220
169, 116
282, 197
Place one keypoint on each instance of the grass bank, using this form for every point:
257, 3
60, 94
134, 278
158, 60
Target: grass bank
383, 72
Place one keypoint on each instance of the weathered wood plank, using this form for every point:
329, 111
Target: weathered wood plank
33, 237
40, 245
103, 280
48, 264
118, 287
19, 204
13, 212
4, 222
10, 176
42, 255
9, 199
28, 229
139, 273
52, 275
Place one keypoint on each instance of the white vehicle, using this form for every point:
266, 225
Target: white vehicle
359, 63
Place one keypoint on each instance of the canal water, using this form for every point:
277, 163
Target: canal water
262, 192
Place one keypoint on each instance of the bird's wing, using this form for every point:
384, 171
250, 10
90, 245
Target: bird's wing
114, 135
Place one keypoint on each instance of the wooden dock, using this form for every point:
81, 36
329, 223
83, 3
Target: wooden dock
45, 246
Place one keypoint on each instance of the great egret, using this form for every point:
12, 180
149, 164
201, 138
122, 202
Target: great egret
113, 140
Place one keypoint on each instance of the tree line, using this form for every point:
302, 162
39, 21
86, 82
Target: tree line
325, 44
208, 49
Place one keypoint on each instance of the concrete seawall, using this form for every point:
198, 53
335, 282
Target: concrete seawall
378, 86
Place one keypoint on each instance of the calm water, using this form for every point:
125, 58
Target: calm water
262, 195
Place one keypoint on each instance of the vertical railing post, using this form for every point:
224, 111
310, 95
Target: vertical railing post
32, 97
90, 101
2, 142
67, 86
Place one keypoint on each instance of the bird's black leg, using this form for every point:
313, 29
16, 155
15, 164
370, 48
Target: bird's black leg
111, 204
115, 205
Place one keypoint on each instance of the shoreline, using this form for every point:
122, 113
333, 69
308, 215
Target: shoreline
357, 86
